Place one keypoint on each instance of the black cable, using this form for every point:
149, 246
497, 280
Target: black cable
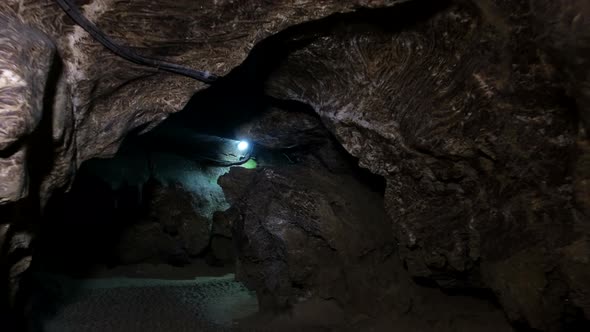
128, 54
223, 163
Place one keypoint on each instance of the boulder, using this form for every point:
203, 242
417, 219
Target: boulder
305, 233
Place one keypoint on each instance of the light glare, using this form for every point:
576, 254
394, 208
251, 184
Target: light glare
243, 145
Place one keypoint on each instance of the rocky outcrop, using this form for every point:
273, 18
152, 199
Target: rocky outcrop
27, 111
315, 243
466, 118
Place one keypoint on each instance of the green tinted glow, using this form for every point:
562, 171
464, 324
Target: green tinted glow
250, 164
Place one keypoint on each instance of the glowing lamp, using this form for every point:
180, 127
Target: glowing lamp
243, 146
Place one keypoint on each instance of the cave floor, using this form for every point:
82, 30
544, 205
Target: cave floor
141, 304
198, 297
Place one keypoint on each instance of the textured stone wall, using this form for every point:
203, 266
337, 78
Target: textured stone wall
470, 120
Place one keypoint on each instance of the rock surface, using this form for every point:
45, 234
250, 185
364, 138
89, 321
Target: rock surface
317, 246
467, 120
300, 227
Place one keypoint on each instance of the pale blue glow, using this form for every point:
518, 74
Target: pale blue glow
243, 146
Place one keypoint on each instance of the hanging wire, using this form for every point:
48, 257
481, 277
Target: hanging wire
128, 54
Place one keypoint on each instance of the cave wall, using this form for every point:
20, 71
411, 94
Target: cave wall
467, 118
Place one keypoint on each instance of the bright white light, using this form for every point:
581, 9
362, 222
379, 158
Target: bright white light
243, 146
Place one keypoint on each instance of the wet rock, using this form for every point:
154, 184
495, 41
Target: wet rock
174, 231
575, 267
23, 80
320, 250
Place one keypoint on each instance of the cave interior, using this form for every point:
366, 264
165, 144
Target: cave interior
359, 166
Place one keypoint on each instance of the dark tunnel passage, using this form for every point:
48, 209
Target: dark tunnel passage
154, 216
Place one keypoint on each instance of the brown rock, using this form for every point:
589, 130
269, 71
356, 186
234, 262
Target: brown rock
23, 80
463, 115
301, 226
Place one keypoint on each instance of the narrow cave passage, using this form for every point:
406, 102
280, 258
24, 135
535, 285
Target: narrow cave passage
150, 236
